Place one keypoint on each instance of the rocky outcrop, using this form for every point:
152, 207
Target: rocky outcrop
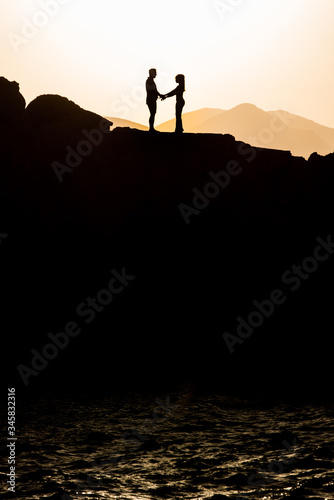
207, 224
55, 113
12, 102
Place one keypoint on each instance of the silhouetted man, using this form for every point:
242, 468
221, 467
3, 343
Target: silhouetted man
152, 96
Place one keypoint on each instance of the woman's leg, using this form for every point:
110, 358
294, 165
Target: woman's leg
179, 108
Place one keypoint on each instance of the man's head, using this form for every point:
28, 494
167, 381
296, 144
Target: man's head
153, 73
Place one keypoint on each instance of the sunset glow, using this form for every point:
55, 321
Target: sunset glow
276, 55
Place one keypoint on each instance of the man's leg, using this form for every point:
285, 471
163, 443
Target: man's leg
153, 111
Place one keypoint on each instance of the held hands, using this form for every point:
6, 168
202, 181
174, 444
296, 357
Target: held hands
163, 97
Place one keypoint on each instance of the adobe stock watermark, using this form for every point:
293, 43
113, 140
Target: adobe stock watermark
219, 181
265, 477
225, 7
30, 28
12, 440
88, 309
277, 124
126, 103
162, 407
92, 139
293, 278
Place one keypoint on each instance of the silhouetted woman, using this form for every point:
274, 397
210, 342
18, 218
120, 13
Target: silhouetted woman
179, 101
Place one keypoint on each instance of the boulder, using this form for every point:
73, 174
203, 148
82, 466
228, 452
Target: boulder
12, 102
55, 112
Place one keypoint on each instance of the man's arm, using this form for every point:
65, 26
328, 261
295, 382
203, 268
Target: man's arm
158, 93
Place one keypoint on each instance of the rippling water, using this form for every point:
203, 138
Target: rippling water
178, 445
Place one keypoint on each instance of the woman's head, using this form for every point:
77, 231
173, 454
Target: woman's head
180, 80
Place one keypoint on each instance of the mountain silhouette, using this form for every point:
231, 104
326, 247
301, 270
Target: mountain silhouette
272, 129
78, 201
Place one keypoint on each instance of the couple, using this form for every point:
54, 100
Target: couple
153, 94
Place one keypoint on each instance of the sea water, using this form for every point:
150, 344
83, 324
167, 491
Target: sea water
178, 445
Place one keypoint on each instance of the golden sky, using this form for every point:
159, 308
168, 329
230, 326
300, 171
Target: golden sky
276, 54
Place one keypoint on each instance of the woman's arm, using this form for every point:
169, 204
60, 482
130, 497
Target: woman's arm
176, 91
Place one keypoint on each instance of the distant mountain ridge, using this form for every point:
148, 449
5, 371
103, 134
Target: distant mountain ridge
268, 129
246, 122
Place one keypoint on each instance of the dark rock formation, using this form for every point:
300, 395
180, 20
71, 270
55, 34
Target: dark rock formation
78, 201
12, 102
56, 112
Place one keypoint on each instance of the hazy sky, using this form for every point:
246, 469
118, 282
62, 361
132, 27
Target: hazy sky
276, 54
